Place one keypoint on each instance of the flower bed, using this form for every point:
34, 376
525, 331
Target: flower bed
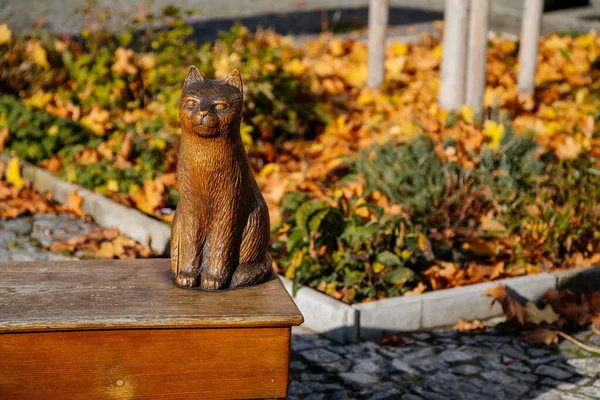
372, 194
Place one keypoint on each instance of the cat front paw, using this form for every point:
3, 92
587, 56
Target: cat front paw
212, 282
186, 281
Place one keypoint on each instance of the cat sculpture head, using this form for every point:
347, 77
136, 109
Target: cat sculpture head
211, 108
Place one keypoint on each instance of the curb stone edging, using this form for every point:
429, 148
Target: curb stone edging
324, 314
436, 309
130, 222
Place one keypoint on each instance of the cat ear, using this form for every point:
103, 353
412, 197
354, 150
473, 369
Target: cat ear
235, 79
193, 75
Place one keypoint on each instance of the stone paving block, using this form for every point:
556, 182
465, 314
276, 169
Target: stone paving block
395, 314
324, 314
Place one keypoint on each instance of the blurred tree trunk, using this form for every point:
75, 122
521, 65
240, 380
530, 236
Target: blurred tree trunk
477, 56
454, 56
530, 35
378, 21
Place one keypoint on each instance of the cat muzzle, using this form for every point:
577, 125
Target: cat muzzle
207, 120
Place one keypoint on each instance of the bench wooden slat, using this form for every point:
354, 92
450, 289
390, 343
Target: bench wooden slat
128, 294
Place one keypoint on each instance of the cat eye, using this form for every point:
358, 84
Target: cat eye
220, 106
191, 102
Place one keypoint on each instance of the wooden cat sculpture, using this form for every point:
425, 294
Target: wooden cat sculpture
220, 232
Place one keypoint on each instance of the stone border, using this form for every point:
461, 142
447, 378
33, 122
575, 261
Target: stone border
322, 313
437, 309
107, 213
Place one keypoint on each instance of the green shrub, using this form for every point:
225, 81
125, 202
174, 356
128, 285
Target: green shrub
35, 135
543, 210
344, 254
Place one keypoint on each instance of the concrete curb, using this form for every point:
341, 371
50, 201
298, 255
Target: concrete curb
106, 213
430, 310
324, 314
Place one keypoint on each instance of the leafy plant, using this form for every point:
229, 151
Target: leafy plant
35, 135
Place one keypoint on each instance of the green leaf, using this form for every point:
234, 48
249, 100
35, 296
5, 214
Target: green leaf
306, 211
291, 201
389, 259
352, 278
355, 234
294, 238
315, 221
399, 276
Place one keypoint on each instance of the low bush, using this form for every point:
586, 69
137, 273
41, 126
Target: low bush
519, 210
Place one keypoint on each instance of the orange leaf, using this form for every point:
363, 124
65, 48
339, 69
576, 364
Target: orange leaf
3, 138
74, 202
541, 336
510, 306
465, 326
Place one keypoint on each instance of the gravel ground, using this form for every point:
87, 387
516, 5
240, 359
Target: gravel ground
431, 365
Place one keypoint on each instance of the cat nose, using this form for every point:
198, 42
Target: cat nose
200, 116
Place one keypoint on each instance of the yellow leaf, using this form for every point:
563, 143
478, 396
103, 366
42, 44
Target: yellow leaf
95, 120
5, 34
437, 51
378, 267
549, 113
585, 41
106, 250
13, 173
356, 75
133, 188
157, 143
424, 246
365, 98
495, 132
399, 49
336, 47
112, 185
269, 169
39, 99
467, 114
246, 133
40, 57
71, 174
296, 261
295, 67
289, 273
53, 130
555, 42
581, 95
537, 316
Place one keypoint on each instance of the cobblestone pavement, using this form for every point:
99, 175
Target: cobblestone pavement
443, 364
430, 365
24, 238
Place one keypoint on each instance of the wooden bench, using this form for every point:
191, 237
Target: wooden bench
120, 329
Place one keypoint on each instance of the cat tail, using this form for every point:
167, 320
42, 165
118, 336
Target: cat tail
253, 273
175, 244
